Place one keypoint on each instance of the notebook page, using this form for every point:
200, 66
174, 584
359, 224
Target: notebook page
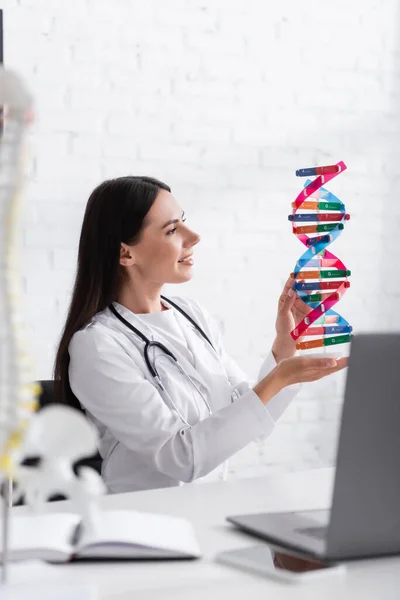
41, 535
171, 535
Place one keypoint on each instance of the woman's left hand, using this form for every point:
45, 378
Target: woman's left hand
291, 310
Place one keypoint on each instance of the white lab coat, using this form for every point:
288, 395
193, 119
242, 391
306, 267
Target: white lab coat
144, 442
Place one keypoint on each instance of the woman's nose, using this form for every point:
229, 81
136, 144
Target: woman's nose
195, 238
192, 238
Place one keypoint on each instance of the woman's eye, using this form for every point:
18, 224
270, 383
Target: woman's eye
171, 231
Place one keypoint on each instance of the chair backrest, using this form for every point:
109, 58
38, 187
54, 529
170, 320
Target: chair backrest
46, 398
47, 395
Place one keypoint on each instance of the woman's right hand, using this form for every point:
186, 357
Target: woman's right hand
298, 369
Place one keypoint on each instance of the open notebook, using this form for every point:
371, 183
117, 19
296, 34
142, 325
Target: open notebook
120, 534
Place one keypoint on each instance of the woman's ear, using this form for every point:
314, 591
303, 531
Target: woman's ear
125, 256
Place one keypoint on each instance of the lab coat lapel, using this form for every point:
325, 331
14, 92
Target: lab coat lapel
200, 350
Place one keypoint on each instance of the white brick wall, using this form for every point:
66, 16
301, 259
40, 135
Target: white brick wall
223, 99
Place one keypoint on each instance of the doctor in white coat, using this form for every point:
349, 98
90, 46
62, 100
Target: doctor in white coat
151, 372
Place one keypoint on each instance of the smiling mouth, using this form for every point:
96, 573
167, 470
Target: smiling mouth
187, 259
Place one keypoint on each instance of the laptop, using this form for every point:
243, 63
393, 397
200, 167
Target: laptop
364, 519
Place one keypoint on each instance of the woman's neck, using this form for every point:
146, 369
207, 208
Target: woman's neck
146, 301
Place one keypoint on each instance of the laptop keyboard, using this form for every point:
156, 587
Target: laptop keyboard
317, 532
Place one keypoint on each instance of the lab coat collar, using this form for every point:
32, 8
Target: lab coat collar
135, 320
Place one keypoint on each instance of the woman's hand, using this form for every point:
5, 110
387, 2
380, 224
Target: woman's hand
291, 310
300, 369
297, 369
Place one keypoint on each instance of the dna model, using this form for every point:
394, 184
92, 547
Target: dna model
320, 277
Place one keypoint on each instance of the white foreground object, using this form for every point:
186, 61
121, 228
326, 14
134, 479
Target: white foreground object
61, 436
18, 394
61, 537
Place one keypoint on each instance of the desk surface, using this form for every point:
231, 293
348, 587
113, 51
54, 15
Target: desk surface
206, 506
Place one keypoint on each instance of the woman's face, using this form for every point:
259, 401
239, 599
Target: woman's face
164, 253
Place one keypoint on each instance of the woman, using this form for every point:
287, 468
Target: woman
162, 421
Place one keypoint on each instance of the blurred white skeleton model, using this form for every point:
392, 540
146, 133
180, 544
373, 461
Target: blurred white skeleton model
58, 434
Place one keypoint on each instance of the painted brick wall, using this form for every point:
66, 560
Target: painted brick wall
222, 99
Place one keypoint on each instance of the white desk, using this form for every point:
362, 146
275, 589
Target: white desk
207, 505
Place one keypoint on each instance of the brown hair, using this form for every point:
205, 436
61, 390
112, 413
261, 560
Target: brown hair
115, 213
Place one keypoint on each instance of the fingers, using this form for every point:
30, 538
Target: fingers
302, 308
300, 369
322, 367
336, 364
342, 363
328, 366
313, 362
287, 287
287, 298
290, 300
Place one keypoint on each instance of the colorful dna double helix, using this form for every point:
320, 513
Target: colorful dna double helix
320, 278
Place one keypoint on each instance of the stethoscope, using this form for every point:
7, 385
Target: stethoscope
148, 344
